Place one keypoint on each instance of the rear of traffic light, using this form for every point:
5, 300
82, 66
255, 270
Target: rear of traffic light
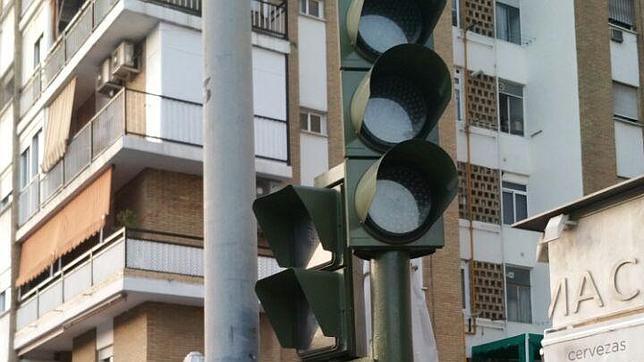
309, 304
395, 89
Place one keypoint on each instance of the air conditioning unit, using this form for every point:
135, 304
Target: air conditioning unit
124, 60
106, 83
616, 35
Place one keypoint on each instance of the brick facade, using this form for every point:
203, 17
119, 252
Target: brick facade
598, 156
293, 94
84, 347
489, 293
164, 201
441, 272
335, 128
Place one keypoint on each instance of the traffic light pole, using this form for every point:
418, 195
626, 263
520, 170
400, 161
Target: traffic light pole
391, 306
230, 249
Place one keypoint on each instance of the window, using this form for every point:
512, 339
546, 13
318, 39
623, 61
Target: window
313, 8
30, 160
511, 107
455, 19
620, 13
313, 122
625, 102
515, 202
508, 23
37, 49
517, 282
458, 94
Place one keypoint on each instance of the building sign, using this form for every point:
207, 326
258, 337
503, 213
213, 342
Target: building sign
599, 343
596, 267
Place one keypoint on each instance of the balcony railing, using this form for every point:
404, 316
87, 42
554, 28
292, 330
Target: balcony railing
265, 17
125, 249
153, 117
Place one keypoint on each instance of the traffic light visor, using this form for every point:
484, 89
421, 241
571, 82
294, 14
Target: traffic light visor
401, 195
301, 225
402, 97
302, 306
375, 26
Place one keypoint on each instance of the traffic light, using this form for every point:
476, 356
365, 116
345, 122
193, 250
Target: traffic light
395, 89
310, 303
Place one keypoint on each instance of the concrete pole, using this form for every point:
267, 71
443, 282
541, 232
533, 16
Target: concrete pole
230, 250
391, 306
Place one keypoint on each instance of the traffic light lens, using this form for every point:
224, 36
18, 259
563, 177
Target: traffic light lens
402, 202
395, 112
387, 23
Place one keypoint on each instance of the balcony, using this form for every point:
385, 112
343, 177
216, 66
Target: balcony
266, 17
147, 265
152, 119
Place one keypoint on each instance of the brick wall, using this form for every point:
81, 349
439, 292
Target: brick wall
293, 79
130, 336
598, 156
84, 347
489, 293
335, 128
164, 201
442, 270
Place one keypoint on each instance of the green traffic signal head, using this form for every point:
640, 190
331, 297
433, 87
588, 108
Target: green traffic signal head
374, 26
304, 309
402, 194
302, 226
401, 98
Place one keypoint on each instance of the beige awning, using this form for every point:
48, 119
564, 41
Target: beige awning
59, 117
78, 220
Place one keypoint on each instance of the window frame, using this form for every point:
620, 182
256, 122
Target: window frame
37, 56
621, 24
305, 8
458, 95
511, 283
3, 302
507, 37
623, 117
323, 123
506, 187
509, 95
456, 13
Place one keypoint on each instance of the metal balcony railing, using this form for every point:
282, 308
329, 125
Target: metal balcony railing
267, 17
146, 115
145, 250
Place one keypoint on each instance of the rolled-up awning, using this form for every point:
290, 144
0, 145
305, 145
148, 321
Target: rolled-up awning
59, 117
78, 220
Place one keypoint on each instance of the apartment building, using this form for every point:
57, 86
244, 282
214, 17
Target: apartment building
549, 109
101, 216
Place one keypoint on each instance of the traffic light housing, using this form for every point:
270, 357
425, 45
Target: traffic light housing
395, 89
310, 304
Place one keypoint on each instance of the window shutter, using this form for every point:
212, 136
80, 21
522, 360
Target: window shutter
625, 101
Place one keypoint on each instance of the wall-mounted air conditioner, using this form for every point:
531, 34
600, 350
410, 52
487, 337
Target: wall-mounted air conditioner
616, 35
106, 83
124, 60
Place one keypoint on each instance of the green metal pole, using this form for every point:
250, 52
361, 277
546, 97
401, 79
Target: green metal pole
391, 307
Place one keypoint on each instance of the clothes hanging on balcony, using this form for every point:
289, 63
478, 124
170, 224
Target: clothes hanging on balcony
59, 116
78, 220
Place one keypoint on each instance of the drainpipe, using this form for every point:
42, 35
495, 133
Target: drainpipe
15, 172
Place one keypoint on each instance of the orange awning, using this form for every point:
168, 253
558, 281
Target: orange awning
78, 220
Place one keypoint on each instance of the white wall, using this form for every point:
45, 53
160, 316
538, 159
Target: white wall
312, 60
4, 337
5, 247
31, 33
6, 42
314, 157
624, 60
269, 84
552, 101
629, 149
6, 139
